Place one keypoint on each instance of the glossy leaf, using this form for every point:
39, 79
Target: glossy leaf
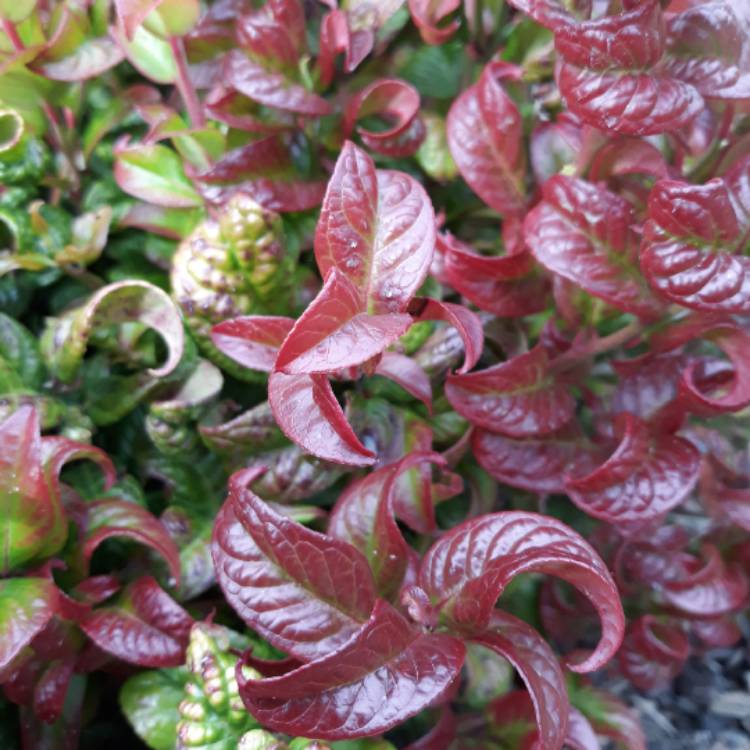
252, 340
335, 333
274, 34
377, 228
337, 37
533, 659
499, 546
28, 604
145, 626
306, 410
517, 398
306, 593
694, 241
484, 136
585, 234
387, 672
106, 519
645, 476
408, 374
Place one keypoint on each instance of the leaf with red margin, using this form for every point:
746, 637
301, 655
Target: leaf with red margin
387, 672
710, 587
705, 48
365, 517
334, 332
397, 103
408, 374
106, 519
32, 522
440, 736
270, 88
427, 14
617, 721
304, 592
647, 475
132, 13
145, 626
337, 37
653, 652
533, 464
498, 284
694, 239
484, 131
622, 156
377, 227
253, 340
518, 398
308, 413
26, 606
495, 548
274, 34
539, 669
467, 323
554, 13
586, 234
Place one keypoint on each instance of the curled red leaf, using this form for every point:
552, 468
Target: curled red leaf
408, 374
337, 37
427, 15
252, 340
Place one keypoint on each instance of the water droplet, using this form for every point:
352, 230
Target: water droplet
352, 262
353, 244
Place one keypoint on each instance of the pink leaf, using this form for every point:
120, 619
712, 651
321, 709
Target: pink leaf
646, 476
694, 242
253, 340
377, 227
308, 414
306, 593
387, 672
554, 13
334, 332
274, 34
427, 15
145, 626
485, 138
395, 102
337, 37
529, 653
106, 519
466, 570
467, 323
408, 374
586, 234
533, 464
518, 398
270, 88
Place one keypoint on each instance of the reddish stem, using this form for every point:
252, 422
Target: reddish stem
10, 29
185, 85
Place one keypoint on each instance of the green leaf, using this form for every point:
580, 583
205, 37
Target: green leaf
19, 352
16, 11
433, 155
150, 55
26, 606
154, 174
150, 701
436, 71
173, 18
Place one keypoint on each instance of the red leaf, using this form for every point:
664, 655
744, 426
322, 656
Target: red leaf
705, 49
628, 102
427, 15
586, 234
377, 227
334, 332
555, 144
106, 519
533, 464
518, 398
365, 517
529, 653
618, 722
337, 37
132, 13
270, 88
623, 156
717, 632
440, 736
145, 626
484, 132
709, 589
387, 672
467, 323
274, 34
252, 340
408, 374
467, 569
306, 593
653, 653
554, 13
397, 103
694, 242
52, 688
646, 476
308, 414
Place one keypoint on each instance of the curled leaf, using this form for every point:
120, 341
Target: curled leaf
427, 15
253, 340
